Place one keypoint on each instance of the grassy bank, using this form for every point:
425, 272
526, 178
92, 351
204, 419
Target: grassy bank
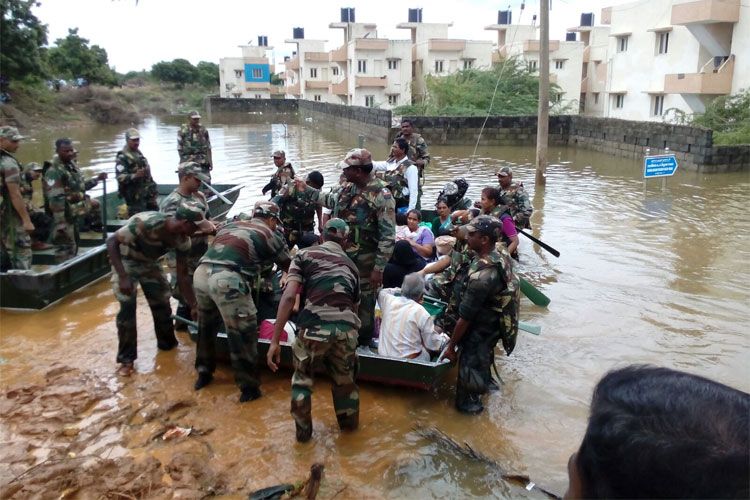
35, 107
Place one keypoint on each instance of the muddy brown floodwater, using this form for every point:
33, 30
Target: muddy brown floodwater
646, 276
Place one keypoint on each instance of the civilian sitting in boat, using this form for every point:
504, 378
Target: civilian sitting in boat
659, 433
420, 238
403, 262
407, 330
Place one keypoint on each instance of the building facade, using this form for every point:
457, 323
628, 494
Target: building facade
248, 76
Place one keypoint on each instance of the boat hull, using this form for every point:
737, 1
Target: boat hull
49, 282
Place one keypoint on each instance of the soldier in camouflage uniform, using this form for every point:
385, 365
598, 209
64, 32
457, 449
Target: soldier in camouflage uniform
225, 283
367, 206
417, 147
298, 209
187, 192
284, 173
194, 145
42, 222
134, 250
327, 327
488, 312
15, 222
518, 199
401, 175
65, 198
135, 184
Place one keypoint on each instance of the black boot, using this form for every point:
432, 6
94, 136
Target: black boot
204, 378
249, 394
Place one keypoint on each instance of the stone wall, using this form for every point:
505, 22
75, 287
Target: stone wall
693, 146
255, 106
374, 124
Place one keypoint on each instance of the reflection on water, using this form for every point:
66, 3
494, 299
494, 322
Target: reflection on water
645, 276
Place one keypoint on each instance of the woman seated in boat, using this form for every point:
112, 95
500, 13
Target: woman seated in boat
492, 203
420, 238
407, 330
441, 225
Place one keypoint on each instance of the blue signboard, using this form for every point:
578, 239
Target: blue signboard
659, 166
257, 73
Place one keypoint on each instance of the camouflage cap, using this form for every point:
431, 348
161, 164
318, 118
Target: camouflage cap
505, 171
194, 213
357, 157
485, 225
280, 153
339, 226
266, 209
194, 114
34, 166
132, 133
192, 168
10, 133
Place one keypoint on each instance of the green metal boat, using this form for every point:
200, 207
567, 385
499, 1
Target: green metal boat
48, 282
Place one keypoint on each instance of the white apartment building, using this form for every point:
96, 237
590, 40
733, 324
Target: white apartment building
248, 76
436, 54
566, 58
308, 71
671, 55
370, 71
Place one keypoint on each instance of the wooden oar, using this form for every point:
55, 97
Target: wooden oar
534, 294
540, 243
217, 193
104, 209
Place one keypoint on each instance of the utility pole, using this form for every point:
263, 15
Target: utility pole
542, 130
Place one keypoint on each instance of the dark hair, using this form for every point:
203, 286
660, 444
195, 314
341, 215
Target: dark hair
315, 178
365, 168
307, 239
657, 433
463, 186
442, 199
407, 120
402, 144
415, 212
63, 141
493, 194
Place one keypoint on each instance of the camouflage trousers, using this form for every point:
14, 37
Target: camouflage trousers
474, 361
224, 294
339, 356
65, 238
199, 245
365, 263
15, 246
156, 289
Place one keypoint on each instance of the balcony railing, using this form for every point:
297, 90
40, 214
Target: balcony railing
371, 44
446, 45
292, 63
293, 89
535, 45
714, 78
316, 84
341, 88
316, 56
370, 81
706, 12
338, 55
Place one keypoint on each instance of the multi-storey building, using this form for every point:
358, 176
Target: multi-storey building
433, 53
307, 72
566, 57
367, 70
672, 57
248, 76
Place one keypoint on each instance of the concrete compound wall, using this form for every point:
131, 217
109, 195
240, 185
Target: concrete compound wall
372, 123
693, 146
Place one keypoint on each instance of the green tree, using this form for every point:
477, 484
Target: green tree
469, 92
23, 39
180, 72
72, 58
208, 74
729, 117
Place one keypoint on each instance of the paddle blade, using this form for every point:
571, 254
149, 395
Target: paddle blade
528, 327
534, 294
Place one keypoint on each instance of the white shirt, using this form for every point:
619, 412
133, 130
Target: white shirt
411, 175
406, 328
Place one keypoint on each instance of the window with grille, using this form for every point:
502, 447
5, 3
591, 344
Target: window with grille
657, 108
392, 63
370, 101
662, 43
438, 66
362, 66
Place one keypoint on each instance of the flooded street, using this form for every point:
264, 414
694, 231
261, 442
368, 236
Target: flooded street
646, 275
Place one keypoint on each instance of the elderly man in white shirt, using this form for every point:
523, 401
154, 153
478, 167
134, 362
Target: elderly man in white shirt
401, 175
406, 329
